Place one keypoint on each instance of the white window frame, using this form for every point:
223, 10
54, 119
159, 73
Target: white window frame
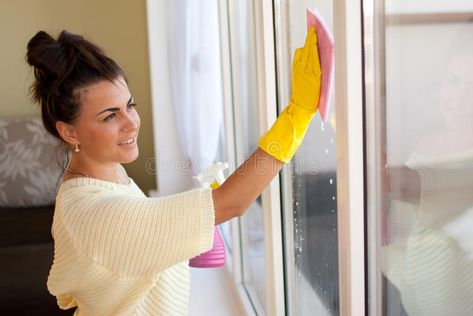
350, 150
266, 86
349, 146
233, 268
375, 99
271, 196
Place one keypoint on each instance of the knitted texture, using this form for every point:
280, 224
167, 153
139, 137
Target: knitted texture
118, 252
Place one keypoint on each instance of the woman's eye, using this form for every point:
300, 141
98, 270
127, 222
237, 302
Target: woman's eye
108, 118
132, 105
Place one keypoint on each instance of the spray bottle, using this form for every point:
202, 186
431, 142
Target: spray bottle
212, 177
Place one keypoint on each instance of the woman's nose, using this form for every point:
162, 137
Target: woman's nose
131, 121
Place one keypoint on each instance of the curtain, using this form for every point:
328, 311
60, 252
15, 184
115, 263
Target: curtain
195, 74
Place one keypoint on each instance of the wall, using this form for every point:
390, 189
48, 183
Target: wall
118, 26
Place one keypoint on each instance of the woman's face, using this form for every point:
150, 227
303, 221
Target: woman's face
457, 93
107, 122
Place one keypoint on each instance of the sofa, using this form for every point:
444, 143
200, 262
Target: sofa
29, 178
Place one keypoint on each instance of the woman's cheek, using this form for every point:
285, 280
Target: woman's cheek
103, 135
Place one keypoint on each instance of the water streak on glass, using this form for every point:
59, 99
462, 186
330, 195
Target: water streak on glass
314, 181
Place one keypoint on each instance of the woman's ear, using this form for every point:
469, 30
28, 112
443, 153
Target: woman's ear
67, 132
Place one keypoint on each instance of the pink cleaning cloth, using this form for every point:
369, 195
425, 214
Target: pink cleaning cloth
326, 55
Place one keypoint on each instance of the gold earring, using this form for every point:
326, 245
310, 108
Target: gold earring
77, 148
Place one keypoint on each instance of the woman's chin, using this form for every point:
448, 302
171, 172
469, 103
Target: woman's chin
130, 158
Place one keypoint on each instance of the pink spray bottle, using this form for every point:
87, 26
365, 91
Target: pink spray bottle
212, 177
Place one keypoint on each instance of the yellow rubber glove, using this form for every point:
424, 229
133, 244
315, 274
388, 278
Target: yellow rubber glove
287, 133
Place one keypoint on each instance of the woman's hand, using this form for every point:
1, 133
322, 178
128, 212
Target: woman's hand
306, 74
287, 133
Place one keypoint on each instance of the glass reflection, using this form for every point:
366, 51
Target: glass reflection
427, 259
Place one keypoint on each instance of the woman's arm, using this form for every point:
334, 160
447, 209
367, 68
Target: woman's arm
403, 184
280, 143
242, 188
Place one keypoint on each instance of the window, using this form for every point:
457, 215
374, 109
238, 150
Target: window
308, 193
245, 101
310, 186
426, 151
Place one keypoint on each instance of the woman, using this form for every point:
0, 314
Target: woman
116, 250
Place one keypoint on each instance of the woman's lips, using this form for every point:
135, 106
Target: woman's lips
129, 142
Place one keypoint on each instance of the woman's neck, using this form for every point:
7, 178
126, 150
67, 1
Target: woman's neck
111, 172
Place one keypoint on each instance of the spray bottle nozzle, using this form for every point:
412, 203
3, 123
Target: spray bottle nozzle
212, 174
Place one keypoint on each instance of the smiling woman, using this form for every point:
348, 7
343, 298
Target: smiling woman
104, 136
113, 245
74, 81
116, 251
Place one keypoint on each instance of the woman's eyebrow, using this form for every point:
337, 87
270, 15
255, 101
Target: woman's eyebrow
114, 109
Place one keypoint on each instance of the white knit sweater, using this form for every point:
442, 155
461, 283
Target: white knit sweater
118, 252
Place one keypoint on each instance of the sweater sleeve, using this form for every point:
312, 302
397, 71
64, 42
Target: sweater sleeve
134, 235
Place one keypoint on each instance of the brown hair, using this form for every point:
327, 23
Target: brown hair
61, 68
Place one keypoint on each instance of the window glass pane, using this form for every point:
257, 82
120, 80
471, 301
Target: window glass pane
312, 258
427, 240
246, 106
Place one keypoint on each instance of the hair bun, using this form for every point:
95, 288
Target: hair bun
45, 54
61, 68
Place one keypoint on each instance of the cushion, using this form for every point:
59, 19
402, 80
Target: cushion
29, 170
